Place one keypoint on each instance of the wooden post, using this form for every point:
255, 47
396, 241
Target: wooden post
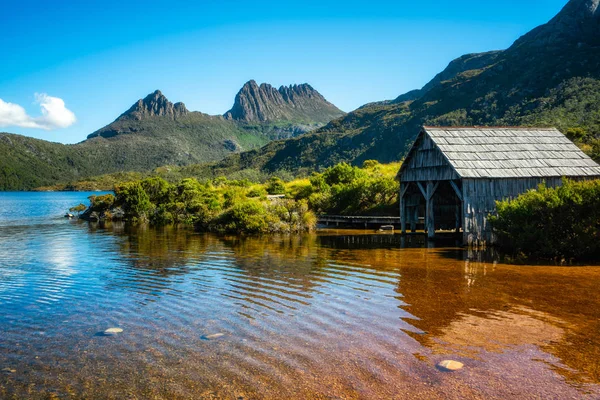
466, 219
415, 218
402, 209
459, 206
403, 189
429, 216
457, 218
429, 220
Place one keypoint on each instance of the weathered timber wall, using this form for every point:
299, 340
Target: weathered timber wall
427, 163
479, 201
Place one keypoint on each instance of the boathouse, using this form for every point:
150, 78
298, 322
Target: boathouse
452, 176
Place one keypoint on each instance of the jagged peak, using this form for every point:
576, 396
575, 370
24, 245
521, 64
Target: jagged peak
261, 103
154, 104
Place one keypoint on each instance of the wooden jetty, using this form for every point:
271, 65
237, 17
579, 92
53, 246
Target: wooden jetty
359, 221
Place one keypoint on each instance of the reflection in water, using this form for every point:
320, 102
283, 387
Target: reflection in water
332, 315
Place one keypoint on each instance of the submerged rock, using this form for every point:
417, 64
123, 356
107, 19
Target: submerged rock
212, 336
112, 331
450, 365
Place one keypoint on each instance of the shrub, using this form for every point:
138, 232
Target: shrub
133, 199
576, 134
158, 190
78, 209
342, 173
101, 203
370, 164
246, 217
275, 186
233, 195
561, 223
256, 192
595, 149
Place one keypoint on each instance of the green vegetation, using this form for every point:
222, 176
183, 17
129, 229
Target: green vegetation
561, 224
78, 208
244, 206
347, 190
219, 205
132, 145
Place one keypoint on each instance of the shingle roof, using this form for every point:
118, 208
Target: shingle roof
507, 152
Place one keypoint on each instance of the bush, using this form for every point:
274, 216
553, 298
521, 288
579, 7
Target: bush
370, 164
101, 203
256, 192
275, 186
561, 224
246, 217
342, 173
576, 134
78, 208
133, 199
241, 206
158, 190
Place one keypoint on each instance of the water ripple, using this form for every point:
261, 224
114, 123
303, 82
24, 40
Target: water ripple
298, 320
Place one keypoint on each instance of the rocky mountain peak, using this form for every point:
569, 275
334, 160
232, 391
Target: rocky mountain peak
578, 23
264, 103
154, 105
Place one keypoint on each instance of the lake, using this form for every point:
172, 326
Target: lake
331, 315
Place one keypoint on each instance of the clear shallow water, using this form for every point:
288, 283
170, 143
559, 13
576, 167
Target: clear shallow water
332, 315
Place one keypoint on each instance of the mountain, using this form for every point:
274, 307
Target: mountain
296, 103
153, 105
548, 77
155, 132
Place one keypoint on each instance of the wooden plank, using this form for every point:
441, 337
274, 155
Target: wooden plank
403, 190
433, 189
415, 219
457, 216
403, 187
429, 216
420, 185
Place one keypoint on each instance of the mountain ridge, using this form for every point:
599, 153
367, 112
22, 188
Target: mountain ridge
152, 133
264, 103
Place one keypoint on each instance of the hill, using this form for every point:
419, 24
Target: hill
155, 132
548, 77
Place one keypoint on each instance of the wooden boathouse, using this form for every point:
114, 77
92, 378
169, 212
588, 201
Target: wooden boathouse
453, 176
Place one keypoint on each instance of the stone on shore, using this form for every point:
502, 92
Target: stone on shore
450, 365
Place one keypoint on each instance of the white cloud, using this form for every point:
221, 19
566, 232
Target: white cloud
54, 114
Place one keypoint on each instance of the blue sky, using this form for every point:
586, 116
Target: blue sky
100, 58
